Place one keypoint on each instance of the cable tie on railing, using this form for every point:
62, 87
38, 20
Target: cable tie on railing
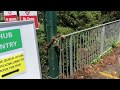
55, 41
62, 37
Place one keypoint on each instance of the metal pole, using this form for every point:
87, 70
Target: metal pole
51, 28
71, 57
102, 40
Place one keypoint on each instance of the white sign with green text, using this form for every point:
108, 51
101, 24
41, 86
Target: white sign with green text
19, 57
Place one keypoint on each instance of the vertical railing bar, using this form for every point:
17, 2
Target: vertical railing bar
115, 33
94, 45
106, 40
118, 29
84, 48
63, 59
80, 52
79, 45
67, 56
60, 64
81, 59
71, 58
100, 32
93, 54
73, 52
99, 36
91, 45
87, 47
97, 42
74, 55
102, 40
106, 44
83, 51
109, 40
77, 51
112, 36
119, 32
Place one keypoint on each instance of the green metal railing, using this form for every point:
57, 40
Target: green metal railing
80, 48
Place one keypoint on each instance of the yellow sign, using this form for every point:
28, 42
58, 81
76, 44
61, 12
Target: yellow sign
11, 66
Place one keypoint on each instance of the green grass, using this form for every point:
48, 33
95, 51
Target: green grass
60, 29
64, 30
41, 26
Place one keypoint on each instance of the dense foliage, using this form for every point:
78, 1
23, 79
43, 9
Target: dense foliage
83, 19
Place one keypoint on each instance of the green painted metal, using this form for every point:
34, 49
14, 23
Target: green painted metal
51, 29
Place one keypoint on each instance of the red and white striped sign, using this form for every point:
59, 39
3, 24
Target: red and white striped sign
10, 16
29, 15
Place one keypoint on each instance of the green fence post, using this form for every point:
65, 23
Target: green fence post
51, 28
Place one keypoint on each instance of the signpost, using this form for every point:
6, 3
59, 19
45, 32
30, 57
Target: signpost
10, 16
29, 15
51, 30
19, 58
